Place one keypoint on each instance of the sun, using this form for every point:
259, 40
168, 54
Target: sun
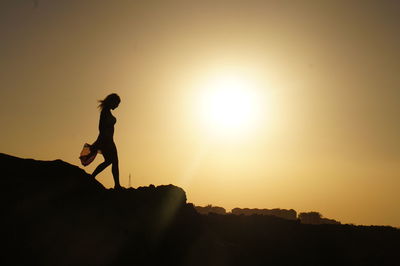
229, 104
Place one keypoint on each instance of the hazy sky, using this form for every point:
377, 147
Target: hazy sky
325, 75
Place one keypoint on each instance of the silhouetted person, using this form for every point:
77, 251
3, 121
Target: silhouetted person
105, 141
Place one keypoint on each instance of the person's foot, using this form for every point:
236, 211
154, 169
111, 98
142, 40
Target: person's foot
117, 187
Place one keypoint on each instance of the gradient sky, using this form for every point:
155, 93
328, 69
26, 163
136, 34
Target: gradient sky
327, 73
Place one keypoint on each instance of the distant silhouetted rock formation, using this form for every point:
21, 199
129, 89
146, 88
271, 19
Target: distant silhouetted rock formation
315, 218
304, 217
53, 213
281, 213
210, 209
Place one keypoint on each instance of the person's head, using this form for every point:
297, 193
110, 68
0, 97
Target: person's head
110, 102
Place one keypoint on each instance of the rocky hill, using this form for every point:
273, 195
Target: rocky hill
54, 213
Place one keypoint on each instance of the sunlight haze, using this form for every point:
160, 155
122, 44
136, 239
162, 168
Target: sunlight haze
230, 104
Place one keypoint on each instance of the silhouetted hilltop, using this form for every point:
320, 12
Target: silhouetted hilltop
303, 217
282, 213
55, 214
315, 218
210, 209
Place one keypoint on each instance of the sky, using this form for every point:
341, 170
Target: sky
313, 126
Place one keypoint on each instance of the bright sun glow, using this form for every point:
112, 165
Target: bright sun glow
230, 104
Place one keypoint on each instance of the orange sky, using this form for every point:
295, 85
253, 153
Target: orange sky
327, 137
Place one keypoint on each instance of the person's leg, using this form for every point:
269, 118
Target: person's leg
101, 167
115, 168
115, 172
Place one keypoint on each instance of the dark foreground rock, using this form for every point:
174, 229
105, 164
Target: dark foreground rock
53, 213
